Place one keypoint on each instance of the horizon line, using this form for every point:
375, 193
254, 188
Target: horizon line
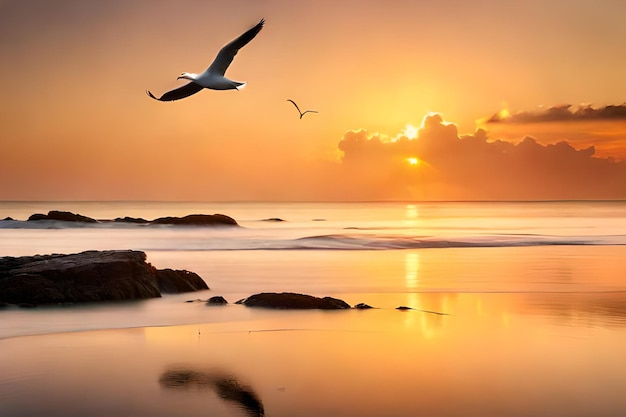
322, 201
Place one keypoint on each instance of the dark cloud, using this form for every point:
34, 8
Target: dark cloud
562, 113
474, 167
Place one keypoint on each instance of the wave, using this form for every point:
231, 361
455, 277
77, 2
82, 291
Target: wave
202, 238
369, 242
388, 242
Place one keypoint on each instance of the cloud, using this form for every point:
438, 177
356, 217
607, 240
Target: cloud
561, 113
474, 167
581, 126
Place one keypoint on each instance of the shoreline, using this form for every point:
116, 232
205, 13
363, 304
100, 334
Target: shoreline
603, 309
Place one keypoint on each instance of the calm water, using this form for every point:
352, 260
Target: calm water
533, 297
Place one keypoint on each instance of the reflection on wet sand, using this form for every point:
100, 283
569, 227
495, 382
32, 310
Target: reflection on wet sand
227, 387
430, 311
599, 309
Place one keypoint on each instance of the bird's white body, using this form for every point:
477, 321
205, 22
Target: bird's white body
212, 81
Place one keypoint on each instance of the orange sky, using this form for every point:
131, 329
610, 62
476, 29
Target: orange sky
75, 122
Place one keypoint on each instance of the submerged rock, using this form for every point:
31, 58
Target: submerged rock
289, 300
218, 300
363, 306
88, 276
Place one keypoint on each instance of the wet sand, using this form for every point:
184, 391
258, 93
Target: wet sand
548, 354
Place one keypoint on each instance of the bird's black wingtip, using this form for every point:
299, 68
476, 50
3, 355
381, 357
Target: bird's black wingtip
151, 95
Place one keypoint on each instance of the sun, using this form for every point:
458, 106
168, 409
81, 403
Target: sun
413, 161
503, 114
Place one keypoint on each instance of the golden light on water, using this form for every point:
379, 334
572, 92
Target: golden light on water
412, 267
413, 161
411, 212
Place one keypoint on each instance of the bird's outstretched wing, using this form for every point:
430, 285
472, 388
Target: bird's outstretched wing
227, 53
294, 103
178, 93
302, 113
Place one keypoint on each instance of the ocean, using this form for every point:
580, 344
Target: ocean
518, 309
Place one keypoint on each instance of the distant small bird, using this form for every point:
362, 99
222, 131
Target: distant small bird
213, 77
298, 108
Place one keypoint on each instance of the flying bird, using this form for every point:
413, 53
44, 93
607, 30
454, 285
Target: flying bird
298, 108
213, 77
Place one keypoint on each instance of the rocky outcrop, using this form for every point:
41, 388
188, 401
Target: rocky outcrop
127, 219
198, 220
176, 281
88, 276
190, 220
65, 216
289, 300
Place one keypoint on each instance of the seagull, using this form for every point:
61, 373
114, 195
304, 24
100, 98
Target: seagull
213, 77
298, 108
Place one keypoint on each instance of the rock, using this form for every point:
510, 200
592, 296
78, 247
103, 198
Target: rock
190, 220
65, 216
88, 276
403, 308
9, 219
273, 219
289, 300
177, 281
217, 301
37, 216
127, 219
363, 306
198, 220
